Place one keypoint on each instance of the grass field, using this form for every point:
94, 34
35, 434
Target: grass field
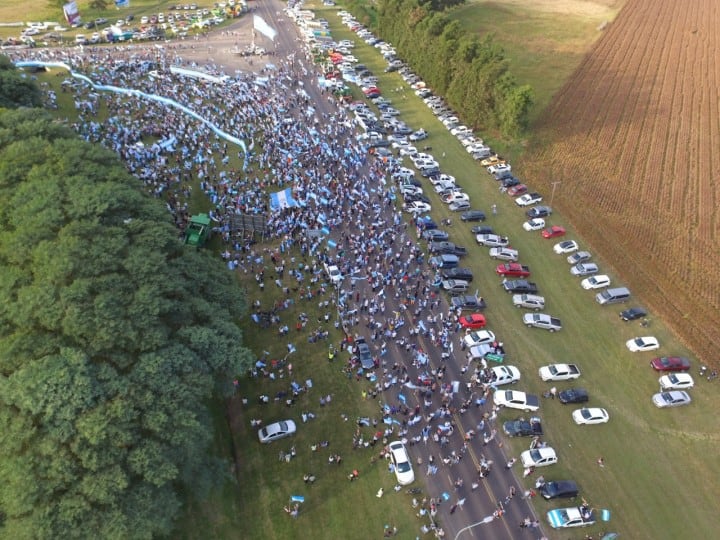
654, 459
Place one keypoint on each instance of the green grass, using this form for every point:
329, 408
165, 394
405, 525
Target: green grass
656, 461
543, 47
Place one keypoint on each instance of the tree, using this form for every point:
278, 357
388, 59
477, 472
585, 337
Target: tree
112, 337
16, 89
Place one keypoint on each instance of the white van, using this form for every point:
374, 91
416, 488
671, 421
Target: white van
613, 296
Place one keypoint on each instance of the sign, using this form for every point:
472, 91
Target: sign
122, 3
72, 15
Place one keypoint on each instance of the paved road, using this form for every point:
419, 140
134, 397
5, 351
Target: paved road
481, 502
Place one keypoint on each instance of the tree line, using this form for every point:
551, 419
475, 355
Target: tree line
114, 337
470, 71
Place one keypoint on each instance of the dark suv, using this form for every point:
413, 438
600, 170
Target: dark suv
364, 354
564, 489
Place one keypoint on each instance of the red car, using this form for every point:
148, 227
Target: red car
554, 232
516, 191
513, 269
474, 320
670, 363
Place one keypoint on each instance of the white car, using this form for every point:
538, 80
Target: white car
417, 207
538, 457
590, 415
559, 372
401, 463
410, 189
676, 381
334, 274
504, 375
479, 337
456, 196
599, 281
640, 344
564, 518
500, 167
440, 178
534, 224
278, 430
504, 254
566, 246
674, 398
512, 399
529, 301
528, 199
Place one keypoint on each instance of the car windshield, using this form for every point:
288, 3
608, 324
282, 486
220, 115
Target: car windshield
586, 414
403, 466
535, 455
639, 342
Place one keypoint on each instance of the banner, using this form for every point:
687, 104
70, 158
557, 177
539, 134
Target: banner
282, 199
264, 28
122, 3
72, 15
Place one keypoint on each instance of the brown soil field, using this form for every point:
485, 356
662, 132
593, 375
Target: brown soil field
634, 139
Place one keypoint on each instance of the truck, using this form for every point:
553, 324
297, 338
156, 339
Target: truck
559, 372
513, 270
519, 286
198, 230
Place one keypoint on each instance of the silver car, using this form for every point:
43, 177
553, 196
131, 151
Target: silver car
675, 398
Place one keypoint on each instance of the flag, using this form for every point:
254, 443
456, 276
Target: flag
122, 3
282, 199
264, 28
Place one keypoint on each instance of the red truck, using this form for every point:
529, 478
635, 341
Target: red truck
513, 270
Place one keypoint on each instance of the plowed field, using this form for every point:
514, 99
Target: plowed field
634, 139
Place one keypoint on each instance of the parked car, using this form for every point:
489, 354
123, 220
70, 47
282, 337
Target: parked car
539, 211
418, 135
674, 398
534, 224
566, 246
435, 235
517, 190
482, 229
445, 261
563, 518
529, 301
277, 430
553, 232
455, 286
561, 489
523, 428
417, 207
542, 320
504, 254
512, 399
500, 375
481, 337
447, 248
676, 381
521, 286
584, 269
459, 206
458, 273
592, 415
641, 344
468, 302
573, 395
363, 353
492, 160
473, 321
670, 363
599, 281
578, 257
529, 199
512, 269
401, 463
492, 240
473, 215
633, 313
538, 457
559, 372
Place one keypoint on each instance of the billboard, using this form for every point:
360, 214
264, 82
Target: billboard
72, 15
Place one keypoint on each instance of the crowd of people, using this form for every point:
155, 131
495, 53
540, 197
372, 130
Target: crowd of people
311, 147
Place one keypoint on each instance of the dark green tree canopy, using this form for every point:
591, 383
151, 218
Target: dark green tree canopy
16, 88
112, 337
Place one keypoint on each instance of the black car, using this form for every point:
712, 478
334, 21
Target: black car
633, 313
364, 354
447, 248
89, 25
523, 428
539, 211
520, 286
435, 235
464, 274
564, 489
482, 229
510, 181
416, 197
425, 173
473, 215
468, 302
573, 395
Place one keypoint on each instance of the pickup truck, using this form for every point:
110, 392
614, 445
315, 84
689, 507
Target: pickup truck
447, 248
520, 286
468, 302
542, 320
513, 269
559, 372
